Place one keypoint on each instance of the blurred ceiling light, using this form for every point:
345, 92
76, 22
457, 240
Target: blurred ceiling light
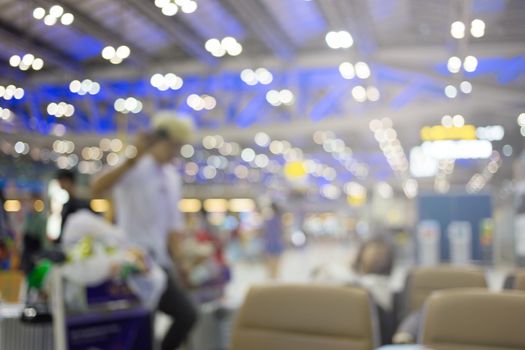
166, 81
11, 91
199, 103
457, 30
26, 62
259, 76
262, 139
12, 205
84, 87
359, 93
241, 205
278, 98
446, 121
55, 14
384, 190
458, 121
61, 109
339, 40
347, 70
116, 55
187, 151
465, 87
171, 7
362, 70
128, 105
216, 205
190, 205
521, 119
228, 45
410, 187
372, 94
470, 64
477, 28
248, 155
454, 64
451, 91
5, 114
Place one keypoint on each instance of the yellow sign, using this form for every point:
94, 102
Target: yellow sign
439, 133
294, 170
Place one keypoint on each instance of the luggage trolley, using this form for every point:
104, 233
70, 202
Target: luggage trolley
109, 323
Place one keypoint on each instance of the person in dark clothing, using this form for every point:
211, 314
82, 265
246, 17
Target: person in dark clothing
34, 232
66, 179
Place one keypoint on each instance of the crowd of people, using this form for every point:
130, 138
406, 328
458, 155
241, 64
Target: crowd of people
191, 252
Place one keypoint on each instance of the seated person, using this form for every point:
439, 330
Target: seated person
371, 270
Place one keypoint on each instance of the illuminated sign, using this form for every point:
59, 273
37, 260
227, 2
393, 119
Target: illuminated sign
439, 132
466, 132
463, 149
422, 165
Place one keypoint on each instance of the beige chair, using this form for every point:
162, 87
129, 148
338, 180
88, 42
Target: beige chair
423, 281
312, 317
519, 280
474, 319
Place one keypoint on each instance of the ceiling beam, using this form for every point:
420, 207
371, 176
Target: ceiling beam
93, 28
184, 38
259, 20
409, 56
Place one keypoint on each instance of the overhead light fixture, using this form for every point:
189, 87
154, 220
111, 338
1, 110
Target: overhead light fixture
477, 28
339, 39
198, 103
165, 82
457, 30
451, 91
470, 64
5, 114
258, 76
26, 62
11, 92
61, 109
116, 56
171, 7
84, 87
128, 105
279, 97
219, 48
55, 15
347, 70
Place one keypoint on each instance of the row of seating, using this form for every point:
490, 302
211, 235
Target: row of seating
310, 317
422, 281
315, 317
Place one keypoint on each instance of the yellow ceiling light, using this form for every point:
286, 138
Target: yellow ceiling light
242, 205
12, 205
356, 201
216, 205
295, 170
100, 205
439, 133
190, 205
